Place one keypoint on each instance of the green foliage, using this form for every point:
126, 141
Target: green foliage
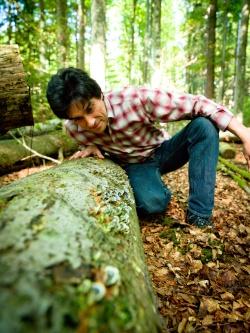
33, 25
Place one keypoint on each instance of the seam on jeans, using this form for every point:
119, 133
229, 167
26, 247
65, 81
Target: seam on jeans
198, 214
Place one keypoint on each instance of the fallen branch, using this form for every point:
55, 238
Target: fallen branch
244, 173
23, 143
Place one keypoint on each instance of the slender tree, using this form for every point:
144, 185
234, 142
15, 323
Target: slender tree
98, 26
62, 32
42, 51
240, 87
224, 41
132, 42
147, 43
211, 37
156, 41
81, 32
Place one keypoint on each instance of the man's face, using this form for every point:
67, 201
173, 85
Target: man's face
91, 116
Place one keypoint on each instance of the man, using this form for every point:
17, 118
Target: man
125, 124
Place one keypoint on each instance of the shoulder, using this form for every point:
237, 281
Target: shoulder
70, 125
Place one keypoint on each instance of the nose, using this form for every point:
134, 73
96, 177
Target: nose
90, 121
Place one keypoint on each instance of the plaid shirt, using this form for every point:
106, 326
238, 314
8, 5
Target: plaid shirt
134, 121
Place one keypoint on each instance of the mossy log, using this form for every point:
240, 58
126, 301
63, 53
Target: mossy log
227, 150
71, 255
12, 152
38, 129
15, 105
242, 172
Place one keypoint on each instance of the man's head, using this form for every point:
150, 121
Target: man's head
72, 94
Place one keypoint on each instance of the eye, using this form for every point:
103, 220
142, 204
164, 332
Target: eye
88, 109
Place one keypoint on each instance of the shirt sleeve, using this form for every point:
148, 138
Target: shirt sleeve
72, 130
166, 106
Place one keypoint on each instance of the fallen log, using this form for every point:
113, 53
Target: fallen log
12, 152
37, 129
227, 151
71, 253
15, 102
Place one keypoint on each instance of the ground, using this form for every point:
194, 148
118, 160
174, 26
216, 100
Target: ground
201, 277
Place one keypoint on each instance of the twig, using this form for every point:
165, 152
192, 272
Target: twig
34, 151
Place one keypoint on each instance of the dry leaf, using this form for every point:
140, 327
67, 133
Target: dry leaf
208, 305
204, 283
182, 325
208, 320
227, 296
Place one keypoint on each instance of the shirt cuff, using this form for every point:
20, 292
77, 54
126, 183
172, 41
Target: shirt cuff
222, 118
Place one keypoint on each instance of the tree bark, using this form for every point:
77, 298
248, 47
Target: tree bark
71, 253
12, 152
156, 43
147, 70
240, 88
211, 29
15, 106
97, 58
223, 63
81, 32
62, 32
132, 43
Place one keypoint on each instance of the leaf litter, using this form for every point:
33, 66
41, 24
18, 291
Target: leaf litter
201, 276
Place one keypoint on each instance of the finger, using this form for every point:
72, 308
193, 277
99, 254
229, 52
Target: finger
84, 154
99, 155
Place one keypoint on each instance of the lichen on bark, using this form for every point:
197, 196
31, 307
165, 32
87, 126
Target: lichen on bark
71, 253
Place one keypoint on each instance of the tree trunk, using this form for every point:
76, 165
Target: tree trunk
147, 45
211, 29
62, 32
131, 60
42, 45
81, 32
223, 65
71, 253
12, 152
156, 43
15, 103
97, 58
240, 88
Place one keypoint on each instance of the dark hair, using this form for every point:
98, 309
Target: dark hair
68, 85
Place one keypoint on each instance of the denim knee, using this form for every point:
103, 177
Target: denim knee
205, 128
154, 203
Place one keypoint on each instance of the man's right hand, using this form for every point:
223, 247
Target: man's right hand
89, 151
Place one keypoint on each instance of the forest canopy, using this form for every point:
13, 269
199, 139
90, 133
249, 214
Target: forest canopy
201, 47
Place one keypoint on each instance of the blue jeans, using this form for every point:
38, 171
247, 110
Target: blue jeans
197, 143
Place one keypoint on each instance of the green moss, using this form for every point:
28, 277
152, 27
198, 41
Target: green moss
206, 255
171, 235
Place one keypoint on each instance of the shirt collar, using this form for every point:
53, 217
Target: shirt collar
109, 109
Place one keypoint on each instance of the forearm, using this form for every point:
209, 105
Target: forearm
238, 129
243, 133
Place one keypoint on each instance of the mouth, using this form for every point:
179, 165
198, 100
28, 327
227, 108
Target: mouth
98, 125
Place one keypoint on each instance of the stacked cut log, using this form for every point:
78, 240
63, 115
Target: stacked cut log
15, 106
71, 253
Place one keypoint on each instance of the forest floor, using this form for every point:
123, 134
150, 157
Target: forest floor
201, 277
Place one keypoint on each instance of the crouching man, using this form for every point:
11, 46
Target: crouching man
125, 124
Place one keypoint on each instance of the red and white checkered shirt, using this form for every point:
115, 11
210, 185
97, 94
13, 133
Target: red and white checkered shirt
134, 117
